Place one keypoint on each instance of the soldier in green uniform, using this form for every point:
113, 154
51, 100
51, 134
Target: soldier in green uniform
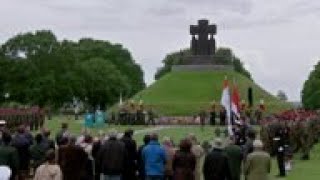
213, 113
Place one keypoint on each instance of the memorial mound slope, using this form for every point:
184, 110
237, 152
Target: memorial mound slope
185, 93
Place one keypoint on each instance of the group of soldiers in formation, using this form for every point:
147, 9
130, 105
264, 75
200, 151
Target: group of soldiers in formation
34, 117
132, 113
283, 135
138, 114
288, 133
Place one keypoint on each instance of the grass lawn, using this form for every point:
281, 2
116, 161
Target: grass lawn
185, 93
76, 126
303, 170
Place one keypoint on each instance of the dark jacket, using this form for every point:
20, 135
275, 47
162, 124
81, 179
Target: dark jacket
184, 164
216, 166
95, 154
73, 160
37, 154
141, 163
112, 157
22, 143
9, 157
131, 167
235, 157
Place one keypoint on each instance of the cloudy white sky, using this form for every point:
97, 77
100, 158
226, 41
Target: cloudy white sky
278, 41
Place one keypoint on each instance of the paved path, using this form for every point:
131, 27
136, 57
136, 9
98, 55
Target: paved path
148, 130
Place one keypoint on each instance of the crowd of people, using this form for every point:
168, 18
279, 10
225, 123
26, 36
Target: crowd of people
116, 156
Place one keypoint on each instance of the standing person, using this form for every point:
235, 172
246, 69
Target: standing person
72, 160
198, 151
47, 143
279, 144
184, 162
222, 116
170, 153
216, 165
258, 164
235, 157
62, 133
151, 115
37, 152
248, 146
112, 157
213, 114
96, 147
87, 146
154, 158
202, 116
140, 162
22, 143
9, 155
130, 171
49, 170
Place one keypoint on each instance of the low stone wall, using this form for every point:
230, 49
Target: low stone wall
202, 68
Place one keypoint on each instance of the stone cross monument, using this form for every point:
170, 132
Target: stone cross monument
203, 42
203, 55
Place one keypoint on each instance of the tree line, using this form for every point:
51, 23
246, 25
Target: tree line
311, 89
38, 69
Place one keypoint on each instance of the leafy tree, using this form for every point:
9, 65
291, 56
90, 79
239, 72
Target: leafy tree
311, 91
37, 69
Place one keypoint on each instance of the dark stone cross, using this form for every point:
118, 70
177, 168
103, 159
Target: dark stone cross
203, 42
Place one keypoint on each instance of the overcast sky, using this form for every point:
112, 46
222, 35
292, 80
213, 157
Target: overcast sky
277, 40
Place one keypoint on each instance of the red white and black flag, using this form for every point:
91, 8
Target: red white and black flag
226, 103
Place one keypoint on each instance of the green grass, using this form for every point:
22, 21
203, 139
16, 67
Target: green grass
185, 93
76, 127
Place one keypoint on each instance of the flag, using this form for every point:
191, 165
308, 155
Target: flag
235, 105
226, 103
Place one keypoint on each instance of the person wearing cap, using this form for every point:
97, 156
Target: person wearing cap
216, 165
112, 158
258, 163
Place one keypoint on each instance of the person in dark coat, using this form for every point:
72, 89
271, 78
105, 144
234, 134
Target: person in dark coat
130, 172
112, 157
97, 144
222, 116
22, 143
37, 152
184, 162
141, 170
62, 133
72, 160
216, 164
235, 157
47, 143
9, 155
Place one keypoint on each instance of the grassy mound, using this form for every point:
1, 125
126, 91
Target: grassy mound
185, 93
